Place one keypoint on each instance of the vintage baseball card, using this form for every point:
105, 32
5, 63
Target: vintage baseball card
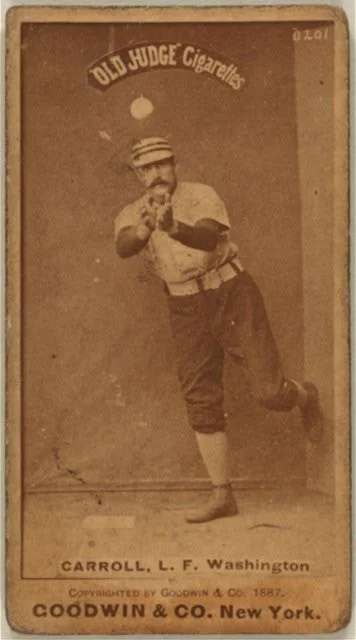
178, 450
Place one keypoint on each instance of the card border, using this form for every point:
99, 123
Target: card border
14, 443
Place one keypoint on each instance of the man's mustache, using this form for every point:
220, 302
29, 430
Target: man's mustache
158, 181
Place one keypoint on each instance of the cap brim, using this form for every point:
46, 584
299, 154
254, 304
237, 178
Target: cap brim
151, 157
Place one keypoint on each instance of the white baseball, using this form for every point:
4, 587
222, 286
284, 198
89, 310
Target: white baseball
141, 108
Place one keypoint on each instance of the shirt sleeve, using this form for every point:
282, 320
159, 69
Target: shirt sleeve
126, 218
209, 205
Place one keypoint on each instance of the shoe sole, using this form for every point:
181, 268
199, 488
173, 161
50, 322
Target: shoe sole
216, 517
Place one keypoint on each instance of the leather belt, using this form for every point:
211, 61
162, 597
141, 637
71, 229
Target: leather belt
210, 280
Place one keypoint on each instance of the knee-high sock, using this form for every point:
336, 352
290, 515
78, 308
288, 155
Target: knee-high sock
213, 448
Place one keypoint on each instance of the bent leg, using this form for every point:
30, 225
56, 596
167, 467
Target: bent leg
245, 332
248, 338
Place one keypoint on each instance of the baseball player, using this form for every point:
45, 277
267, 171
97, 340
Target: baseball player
214, 306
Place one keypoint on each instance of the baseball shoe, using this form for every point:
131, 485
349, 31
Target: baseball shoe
222, 504
311, 414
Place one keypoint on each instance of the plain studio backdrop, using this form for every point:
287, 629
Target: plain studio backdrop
101, 401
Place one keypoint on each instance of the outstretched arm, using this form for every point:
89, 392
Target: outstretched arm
204, 235
131, 239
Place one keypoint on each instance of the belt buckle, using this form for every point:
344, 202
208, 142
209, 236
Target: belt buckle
210, 280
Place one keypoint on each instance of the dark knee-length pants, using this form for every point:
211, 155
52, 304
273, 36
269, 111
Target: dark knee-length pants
229, 319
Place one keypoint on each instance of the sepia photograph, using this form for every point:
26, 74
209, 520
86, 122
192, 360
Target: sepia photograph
177, 320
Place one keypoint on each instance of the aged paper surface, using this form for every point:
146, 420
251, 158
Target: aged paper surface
177, 194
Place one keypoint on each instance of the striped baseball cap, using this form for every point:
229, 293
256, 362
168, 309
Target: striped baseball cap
150, 150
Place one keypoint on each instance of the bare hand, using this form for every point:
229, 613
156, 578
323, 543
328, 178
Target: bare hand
164, 214
147, 219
